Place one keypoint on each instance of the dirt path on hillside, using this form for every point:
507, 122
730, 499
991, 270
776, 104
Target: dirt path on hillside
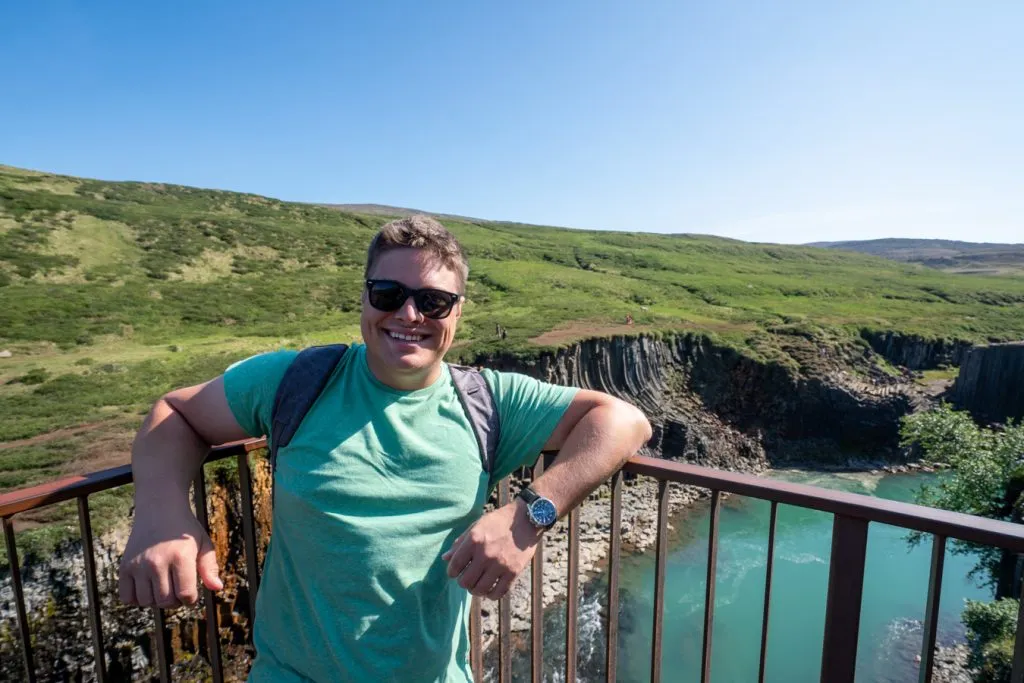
109, 444
62, 433
579, 330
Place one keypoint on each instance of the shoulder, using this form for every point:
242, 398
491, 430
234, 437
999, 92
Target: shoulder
512, 388
501, 381
273, 362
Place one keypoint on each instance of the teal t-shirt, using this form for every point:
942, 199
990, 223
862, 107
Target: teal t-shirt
372, 489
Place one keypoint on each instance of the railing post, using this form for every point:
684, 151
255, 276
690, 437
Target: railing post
163, 648
661, 556
769, 569
931, 617
1017, 672
572, 591
537, 599
252, 565
504, 609
19, 602
476, 648
845, 589
614, 555
709, 592
92, 589
209, 598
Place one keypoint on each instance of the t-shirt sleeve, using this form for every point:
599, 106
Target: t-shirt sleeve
250, 386
529, 411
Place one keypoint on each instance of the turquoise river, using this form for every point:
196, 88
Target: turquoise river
892, 611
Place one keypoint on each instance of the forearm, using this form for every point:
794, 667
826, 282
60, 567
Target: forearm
598, 446
166, 456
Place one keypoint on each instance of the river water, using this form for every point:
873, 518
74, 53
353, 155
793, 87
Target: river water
893, 606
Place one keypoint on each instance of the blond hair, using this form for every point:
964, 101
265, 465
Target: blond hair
420, 232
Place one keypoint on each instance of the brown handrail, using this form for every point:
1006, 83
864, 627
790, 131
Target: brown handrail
70, 488
853, 513
915, 517
908, 515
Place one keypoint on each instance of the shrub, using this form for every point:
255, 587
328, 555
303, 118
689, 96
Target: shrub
34, 376
990, 633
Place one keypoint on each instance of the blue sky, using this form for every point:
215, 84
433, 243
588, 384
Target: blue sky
780, 121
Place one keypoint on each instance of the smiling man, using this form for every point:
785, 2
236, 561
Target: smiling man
379, 531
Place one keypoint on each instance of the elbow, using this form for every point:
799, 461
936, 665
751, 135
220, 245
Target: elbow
641, 427
632, 422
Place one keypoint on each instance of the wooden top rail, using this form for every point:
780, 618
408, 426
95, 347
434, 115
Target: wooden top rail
916, 517
70, 488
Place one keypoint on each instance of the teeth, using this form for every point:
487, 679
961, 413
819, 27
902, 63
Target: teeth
405, 337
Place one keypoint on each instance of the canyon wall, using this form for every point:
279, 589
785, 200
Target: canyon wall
991, 383
917, 353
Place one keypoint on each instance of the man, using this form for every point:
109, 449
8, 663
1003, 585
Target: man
379, 529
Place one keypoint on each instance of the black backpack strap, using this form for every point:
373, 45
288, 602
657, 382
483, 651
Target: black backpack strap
302, 383
478, 402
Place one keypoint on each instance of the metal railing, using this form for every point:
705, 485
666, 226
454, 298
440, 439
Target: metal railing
852, 515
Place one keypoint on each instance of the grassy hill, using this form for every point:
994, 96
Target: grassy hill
952, 256
113, 293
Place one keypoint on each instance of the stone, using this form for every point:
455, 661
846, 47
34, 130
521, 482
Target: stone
5, 354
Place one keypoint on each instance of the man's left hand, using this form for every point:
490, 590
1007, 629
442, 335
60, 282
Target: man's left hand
491, 554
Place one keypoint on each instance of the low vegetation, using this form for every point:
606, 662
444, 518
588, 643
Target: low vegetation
986, 478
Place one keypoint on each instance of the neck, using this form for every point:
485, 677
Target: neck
403, 380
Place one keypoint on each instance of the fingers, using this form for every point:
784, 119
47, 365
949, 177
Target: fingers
472, 575
126, 586
164, 575
163, 588
501, 587
455, 544
184, 576
143, 591
487, 580
206, 563
458, 557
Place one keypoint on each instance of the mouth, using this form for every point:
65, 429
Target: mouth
405, 337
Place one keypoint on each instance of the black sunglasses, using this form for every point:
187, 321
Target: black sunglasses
389, 296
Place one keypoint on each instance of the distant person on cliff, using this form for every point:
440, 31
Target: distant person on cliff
379, 534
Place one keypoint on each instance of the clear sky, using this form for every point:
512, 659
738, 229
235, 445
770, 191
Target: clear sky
766, 121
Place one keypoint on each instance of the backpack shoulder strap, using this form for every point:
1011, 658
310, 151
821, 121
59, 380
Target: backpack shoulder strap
302, 383
478, 402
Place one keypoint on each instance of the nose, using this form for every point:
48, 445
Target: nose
408, 311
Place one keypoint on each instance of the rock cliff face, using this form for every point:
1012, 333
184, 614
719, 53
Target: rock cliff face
916, 353
713, 406
709, 405
991, 383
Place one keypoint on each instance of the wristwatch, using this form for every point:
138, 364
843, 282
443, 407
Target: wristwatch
540, 510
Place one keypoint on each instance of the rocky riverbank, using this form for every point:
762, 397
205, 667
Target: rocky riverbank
951, 665
639, 532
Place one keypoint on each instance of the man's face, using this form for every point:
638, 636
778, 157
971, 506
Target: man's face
412, 362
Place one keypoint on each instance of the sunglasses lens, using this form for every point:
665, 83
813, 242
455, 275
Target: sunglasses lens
387, 296
434, 304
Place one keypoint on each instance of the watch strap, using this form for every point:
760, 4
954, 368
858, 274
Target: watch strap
528, 494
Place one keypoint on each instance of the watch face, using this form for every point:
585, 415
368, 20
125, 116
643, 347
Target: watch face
543, 513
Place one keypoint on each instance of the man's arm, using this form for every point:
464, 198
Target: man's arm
167, 545
594, 438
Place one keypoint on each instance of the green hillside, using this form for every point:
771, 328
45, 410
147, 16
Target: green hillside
978, 258
112, 293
